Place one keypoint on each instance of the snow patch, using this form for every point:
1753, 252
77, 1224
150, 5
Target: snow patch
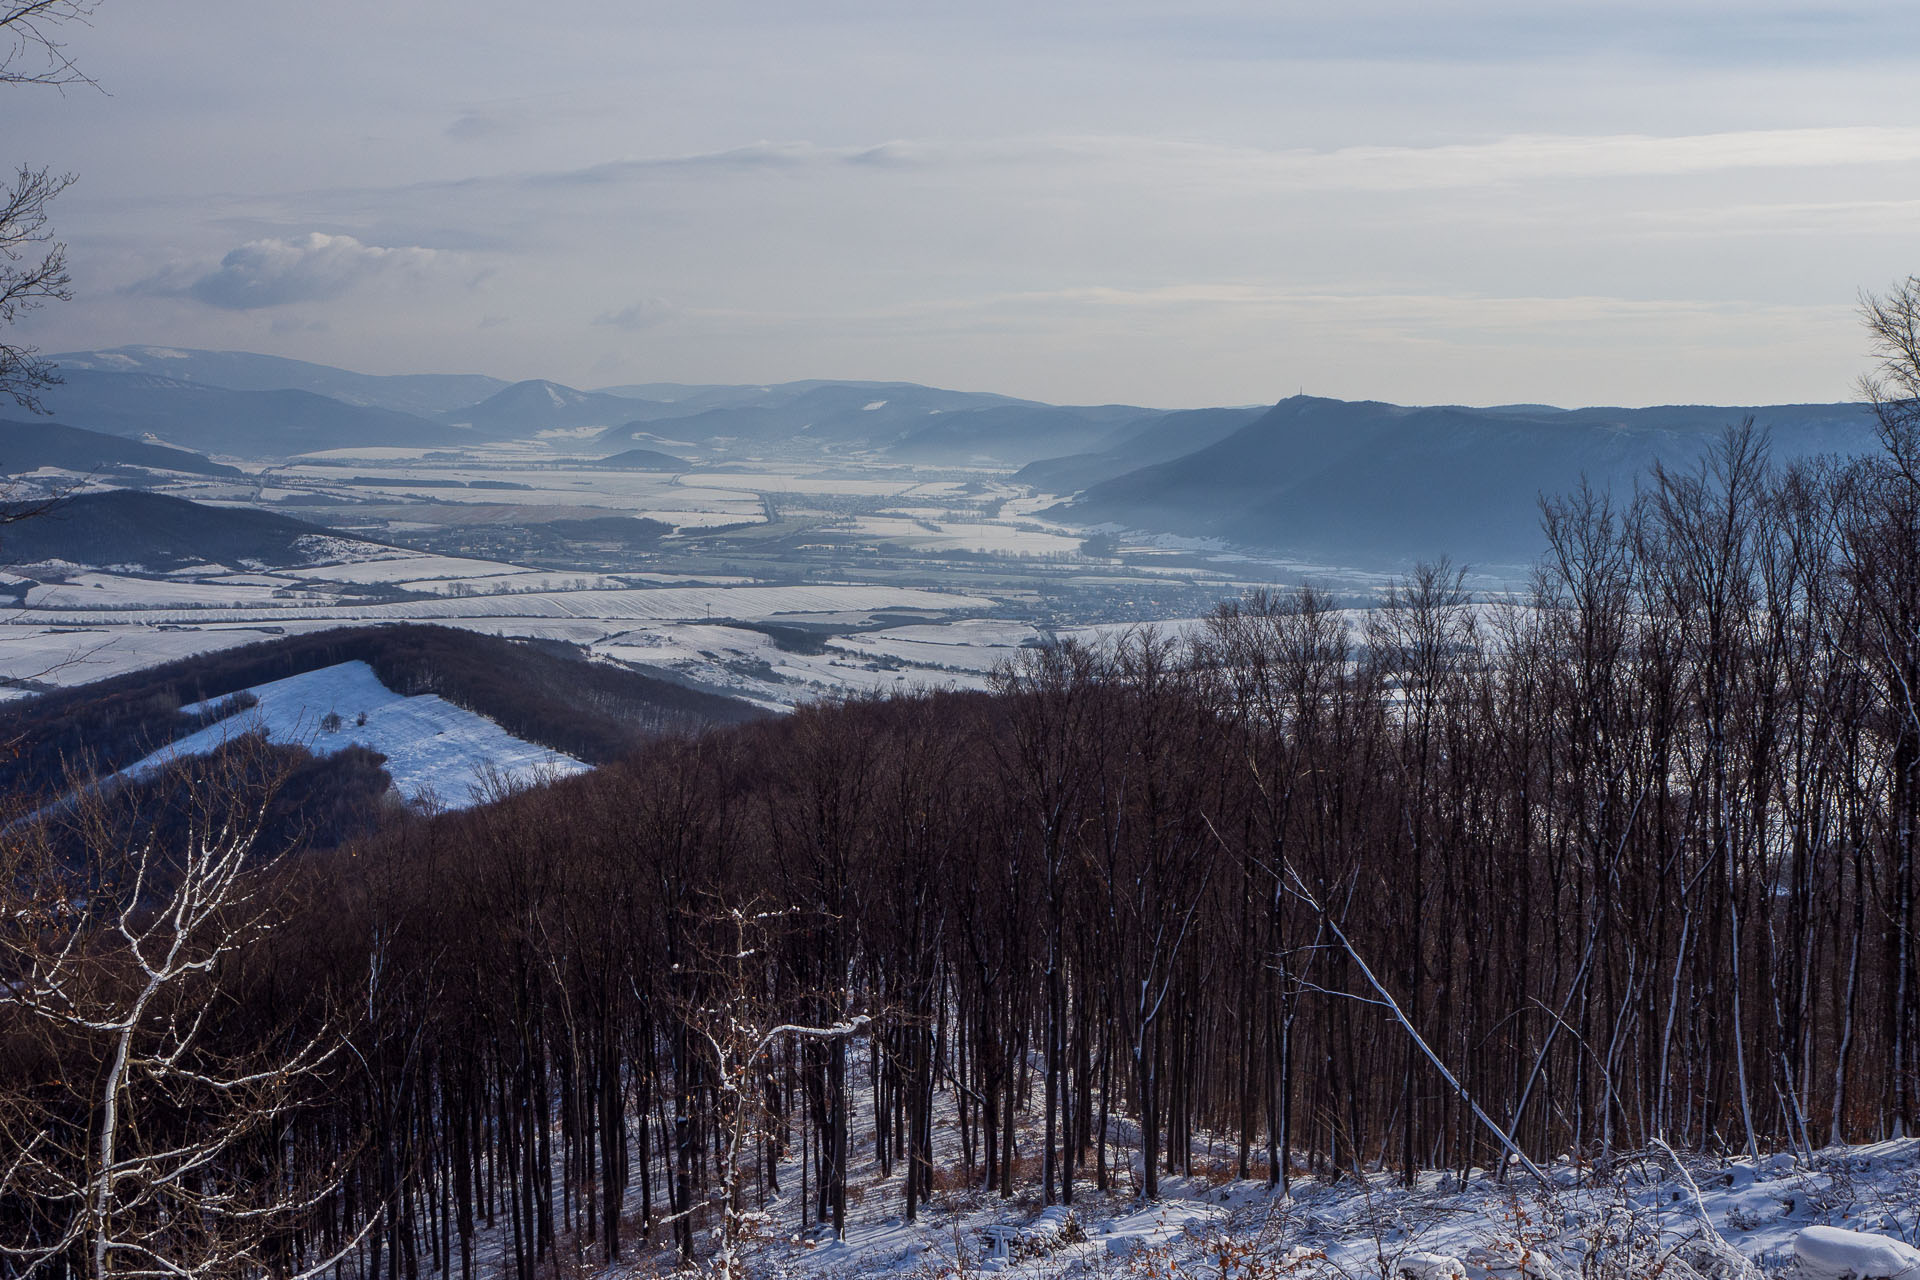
1831, 1253
434, 749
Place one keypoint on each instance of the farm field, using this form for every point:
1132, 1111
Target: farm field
779, 580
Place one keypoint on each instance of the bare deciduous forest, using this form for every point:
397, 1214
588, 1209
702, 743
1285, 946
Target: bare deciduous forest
1445, 884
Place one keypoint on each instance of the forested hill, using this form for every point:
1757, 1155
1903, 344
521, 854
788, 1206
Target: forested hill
543, 693
156, 531
249, 424
29, 446
1372, 483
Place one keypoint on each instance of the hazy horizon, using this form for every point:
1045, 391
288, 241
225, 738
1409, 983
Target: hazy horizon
1091, 203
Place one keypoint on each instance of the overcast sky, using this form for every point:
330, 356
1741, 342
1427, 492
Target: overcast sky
1173, 204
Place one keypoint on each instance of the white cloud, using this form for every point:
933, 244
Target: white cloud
309, 268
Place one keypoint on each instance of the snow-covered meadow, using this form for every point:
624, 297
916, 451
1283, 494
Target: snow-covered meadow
437, 754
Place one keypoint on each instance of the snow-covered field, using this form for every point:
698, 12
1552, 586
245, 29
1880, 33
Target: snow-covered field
137, 622
65, 656
685, 501
403, 567
654, 604
436, 752
115, 591
84, 622
997, 539
753, 666
975, 645
903, 484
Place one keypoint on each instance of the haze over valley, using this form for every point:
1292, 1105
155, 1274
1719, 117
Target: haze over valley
779, 542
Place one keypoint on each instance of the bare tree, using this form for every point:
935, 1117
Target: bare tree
736, 1028
1880, 548
31, 50
33, 265
33, 271
144, 1118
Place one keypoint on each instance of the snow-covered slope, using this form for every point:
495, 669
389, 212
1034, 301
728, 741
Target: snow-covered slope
433, 748
1848, 1214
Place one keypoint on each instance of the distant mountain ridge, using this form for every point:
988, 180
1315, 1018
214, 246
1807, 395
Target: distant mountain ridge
192, 415
902, 419
416, 393
1158, 438
1353, 483
1368, 482
249, 405
527, 408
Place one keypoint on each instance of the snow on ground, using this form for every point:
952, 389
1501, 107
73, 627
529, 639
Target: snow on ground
116, 591
563, 492
516, 581
371, 453
675, 499
404, 568
1098, 633
660, 603
65, 656
646, 625
1850, 1214
997, 539
976, 645
800, 481
435, 750
751, 665
1833, 1253
1846, 1213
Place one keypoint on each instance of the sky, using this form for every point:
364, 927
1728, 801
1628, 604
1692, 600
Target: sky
1211, 202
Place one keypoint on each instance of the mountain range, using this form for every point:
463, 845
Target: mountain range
417, 393
245, 405
1350, 482
241, 423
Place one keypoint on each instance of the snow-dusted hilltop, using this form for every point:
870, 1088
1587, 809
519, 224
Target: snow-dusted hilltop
435, 752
